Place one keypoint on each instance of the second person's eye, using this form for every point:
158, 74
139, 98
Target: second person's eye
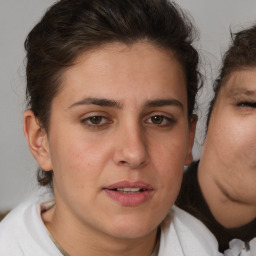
247, 104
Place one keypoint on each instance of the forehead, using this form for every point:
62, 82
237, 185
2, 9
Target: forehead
241, 82
118, 70
123, 55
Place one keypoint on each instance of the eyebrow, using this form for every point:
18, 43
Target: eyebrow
98, 102
241, 91
112, 103
164, 102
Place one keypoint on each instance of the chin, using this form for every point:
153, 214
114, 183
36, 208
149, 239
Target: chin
132, 229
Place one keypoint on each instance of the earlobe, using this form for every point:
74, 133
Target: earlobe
192, 130
37, 140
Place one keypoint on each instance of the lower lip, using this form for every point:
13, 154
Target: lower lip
126, 199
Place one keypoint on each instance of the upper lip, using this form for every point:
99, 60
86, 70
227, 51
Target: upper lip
130, 184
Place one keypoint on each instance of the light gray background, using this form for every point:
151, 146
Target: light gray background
17, 17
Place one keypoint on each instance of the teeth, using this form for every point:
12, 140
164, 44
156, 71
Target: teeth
129, 190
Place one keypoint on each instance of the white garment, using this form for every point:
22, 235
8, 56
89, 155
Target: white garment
23, 233
238, 248
184, 235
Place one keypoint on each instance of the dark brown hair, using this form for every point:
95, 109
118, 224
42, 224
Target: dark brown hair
71, 27
241, 54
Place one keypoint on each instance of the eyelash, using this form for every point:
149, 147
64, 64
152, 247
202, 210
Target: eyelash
246, 104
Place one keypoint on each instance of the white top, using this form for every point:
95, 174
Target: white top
238, 248
23, 232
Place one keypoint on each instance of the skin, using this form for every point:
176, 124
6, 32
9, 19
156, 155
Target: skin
227, 170
125, 144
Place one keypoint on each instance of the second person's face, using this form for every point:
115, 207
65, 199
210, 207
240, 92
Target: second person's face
231, 136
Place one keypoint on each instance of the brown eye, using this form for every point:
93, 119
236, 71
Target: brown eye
95, 119
157, 119
161, 121
96, 122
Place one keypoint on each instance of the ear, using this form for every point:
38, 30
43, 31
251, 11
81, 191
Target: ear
37, 140
192, 130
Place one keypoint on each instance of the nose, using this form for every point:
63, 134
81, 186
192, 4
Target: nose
131, 148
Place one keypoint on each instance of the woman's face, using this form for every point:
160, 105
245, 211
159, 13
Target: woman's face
231, 137
118, 139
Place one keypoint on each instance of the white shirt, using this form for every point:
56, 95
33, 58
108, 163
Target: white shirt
23, 233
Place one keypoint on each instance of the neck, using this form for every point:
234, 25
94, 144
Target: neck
221, 197
76, 241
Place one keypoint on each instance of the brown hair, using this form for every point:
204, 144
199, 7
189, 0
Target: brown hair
71, 27
241, 54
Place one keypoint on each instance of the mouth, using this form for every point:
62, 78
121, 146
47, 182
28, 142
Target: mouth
129, 190
130, 187
130, 193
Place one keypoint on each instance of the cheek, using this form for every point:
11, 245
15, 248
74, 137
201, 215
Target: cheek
77, 168
244, 143
76, 160
169, 159
174, 148
234, 137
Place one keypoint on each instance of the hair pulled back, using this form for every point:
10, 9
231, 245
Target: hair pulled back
70, 28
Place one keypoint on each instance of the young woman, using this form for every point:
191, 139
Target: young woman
111, 89
220, 190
